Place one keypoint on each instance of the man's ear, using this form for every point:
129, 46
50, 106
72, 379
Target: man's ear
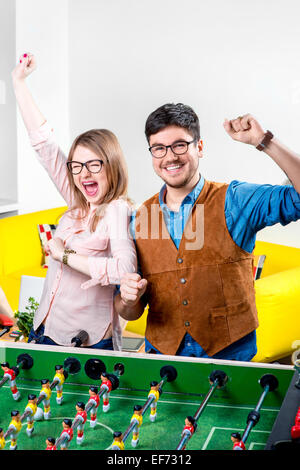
200, 148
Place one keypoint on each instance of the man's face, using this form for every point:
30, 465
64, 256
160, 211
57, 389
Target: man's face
177, 171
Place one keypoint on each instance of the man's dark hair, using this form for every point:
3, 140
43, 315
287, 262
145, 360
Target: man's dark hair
172, 114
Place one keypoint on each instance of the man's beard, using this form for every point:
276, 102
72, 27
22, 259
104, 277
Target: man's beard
182, 183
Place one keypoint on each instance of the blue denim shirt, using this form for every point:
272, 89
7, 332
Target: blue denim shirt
248, 209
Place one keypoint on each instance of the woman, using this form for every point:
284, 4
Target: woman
92, 248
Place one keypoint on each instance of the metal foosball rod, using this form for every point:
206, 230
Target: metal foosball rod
114, 383
168, 374
269, 383
72, 366
297, 368
217, 379
94, 369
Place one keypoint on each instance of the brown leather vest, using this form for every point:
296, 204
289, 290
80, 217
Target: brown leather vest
206, 287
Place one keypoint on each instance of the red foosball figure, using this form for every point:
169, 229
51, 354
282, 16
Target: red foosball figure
67, 433
50, 443
107, 385
81, 415
190, 426
95, 401
295, 431
11, 375
237, 441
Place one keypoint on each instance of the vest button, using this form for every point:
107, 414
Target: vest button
182, 280
180, 260
184, 302
187, 323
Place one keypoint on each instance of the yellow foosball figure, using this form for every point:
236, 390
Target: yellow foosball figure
118, 443
138, 419
46, 393
59, 377
14, 428
155, 393
2, 440
33, 413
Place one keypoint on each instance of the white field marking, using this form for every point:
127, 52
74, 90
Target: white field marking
214, 405
226, 429
61, 418
252, 444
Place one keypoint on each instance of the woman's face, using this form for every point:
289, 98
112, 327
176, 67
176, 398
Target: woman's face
93, 186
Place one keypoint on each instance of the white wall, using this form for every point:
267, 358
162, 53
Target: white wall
109, 64
222, 58
42, 28
8, 132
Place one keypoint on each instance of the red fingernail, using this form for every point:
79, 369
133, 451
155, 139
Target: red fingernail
25, 55
20, 60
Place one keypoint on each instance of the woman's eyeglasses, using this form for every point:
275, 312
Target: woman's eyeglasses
93, 166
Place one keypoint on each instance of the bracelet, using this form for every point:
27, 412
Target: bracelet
266, 140
66, 254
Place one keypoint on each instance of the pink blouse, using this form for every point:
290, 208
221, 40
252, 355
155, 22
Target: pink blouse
72, 301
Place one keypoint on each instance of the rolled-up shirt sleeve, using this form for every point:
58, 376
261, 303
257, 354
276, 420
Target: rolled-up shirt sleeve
110, 270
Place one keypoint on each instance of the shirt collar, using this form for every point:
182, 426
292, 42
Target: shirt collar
189, 199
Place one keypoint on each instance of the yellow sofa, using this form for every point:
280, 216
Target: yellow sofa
20, 249
277, 292
277, 300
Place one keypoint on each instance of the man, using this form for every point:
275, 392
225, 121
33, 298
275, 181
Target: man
196, 260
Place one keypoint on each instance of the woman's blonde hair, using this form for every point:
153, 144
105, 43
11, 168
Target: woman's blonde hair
106, 146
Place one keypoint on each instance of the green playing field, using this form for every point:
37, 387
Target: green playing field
226, 411
214, 427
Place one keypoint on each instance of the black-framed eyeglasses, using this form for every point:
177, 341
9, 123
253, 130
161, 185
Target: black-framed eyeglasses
93, 166
178, 148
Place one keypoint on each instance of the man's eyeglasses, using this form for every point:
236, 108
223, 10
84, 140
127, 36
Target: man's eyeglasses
93, 166
178, 148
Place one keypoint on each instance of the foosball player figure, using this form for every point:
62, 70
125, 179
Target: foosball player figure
190, 427
2, 440
154, 392
46, 392
60, 377
107, 385
67, 433
295, 431
50, 443
11, 375
15, 425
118, 443
35, 413
237, 441
82, 415
95, 401
138, 419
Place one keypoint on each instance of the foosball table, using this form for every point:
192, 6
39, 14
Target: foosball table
88, 399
